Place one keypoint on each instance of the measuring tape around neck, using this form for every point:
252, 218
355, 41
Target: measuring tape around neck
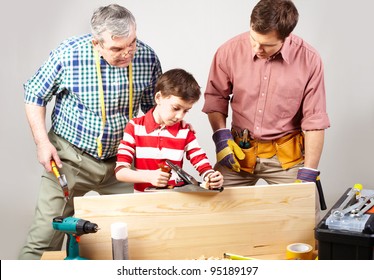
102, 103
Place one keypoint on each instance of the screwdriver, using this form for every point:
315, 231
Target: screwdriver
244, 143
61, 179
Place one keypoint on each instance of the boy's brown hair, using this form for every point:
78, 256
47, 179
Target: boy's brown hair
179, 83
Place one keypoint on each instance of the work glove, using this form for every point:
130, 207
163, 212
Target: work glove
307, 174
227, 150
312, 175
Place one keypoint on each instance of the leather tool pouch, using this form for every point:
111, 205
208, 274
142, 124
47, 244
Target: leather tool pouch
247, 164
290, 150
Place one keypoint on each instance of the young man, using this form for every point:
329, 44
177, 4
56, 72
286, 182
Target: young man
274, 82
93, 77
159, 135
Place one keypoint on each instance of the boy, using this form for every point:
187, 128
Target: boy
159, 135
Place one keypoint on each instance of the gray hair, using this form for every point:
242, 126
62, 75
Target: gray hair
113, 18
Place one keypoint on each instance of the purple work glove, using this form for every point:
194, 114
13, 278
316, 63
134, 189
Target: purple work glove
227, 150
307, 174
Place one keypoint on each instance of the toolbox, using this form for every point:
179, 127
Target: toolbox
344, 235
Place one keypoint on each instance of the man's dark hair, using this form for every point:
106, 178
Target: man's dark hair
274, 15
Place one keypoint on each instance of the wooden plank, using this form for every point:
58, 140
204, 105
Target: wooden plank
60, 255
249, 221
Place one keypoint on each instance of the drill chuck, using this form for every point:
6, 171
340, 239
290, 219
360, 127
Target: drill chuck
88, 227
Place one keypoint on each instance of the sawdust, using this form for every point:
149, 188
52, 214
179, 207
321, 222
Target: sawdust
202, 257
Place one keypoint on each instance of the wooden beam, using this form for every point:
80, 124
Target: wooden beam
249, 221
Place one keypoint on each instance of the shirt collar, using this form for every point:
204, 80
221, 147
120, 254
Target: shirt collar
151, 125
285, 50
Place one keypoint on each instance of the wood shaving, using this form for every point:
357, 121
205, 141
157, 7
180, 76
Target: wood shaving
202, 257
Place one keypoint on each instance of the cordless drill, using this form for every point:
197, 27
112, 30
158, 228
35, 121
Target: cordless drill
74, 228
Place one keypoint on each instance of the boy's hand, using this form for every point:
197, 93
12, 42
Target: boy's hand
214, 180
158, 178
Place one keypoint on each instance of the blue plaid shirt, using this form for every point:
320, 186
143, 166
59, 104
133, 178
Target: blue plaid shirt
70, 75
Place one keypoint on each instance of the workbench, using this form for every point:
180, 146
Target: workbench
256, 221
60, 255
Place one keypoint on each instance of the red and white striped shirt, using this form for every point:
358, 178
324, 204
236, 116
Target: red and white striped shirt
148, 144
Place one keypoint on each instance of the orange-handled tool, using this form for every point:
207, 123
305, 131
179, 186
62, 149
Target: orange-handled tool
166, 168
61, 179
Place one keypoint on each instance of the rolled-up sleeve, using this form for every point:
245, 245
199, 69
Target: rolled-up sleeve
219, 87
314, 106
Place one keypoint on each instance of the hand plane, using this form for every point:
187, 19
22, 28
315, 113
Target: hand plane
190, 183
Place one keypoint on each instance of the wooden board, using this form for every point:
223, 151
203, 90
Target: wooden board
249, 221
60, 255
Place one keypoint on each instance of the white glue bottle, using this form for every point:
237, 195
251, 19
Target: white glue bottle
120, 247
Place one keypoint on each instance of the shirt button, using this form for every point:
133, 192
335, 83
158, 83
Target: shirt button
260, 111
265, 78
262, 94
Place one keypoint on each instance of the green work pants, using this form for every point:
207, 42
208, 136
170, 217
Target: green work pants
83, 173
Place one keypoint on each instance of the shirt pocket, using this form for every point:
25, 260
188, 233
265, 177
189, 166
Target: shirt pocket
286, 101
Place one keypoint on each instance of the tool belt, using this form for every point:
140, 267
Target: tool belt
289, 149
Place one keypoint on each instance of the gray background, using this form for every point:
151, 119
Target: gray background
186, 34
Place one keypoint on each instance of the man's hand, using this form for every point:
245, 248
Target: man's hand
227, 150
46, 152
188, 125
307, 174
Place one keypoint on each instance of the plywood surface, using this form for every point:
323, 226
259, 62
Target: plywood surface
250, 221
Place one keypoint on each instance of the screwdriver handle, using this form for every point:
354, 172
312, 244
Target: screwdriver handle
55, 169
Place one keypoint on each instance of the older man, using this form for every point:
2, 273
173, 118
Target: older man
99, 82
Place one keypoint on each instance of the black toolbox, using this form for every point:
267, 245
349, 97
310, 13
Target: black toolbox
345, 244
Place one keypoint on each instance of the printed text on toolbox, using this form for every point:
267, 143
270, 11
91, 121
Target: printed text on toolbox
218, 270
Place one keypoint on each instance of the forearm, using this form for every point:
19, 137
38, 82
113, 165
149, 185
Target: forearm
45, 150
157, 178
314, 141
36, 118
126, 174
217, 120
